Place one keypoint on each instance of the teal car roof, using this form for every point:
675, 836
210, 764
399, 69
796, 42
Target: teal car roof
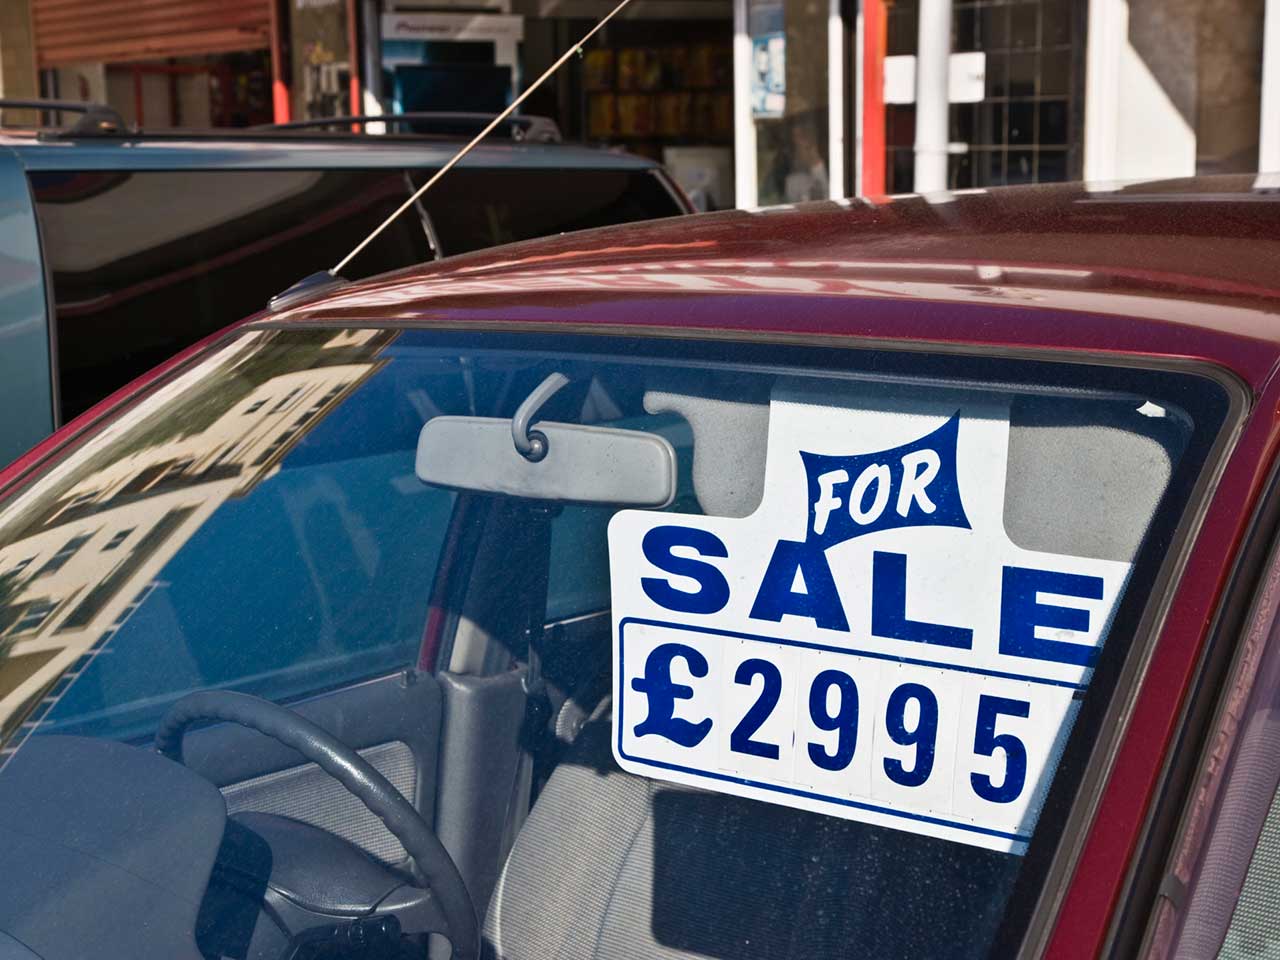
289, 153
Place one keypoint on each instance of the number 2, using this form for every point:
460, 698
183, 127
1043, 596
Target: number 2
740, 740
985, 742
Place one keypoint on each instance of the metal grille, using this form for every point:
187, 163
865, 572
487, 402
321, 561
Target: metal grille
309, 794
1026, 127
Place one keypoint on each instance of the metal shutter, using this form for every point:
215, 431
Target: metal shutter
120, 31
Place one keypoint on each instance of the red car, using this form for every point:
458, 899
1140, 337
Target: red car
868, 580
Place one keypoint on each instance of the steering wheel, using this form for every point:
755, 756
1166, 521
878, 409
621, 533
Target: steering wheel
355, 773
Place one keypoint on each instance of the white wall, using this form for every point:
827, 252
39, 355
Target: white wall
83, 81
193, 100
1269, 147
192, 90
1176, 87
1137, 106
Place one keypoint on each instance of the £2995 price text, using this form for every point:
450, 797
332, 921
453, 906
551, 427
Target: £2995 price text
909, 740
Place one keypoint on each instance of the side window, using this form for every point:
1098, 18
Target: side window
145, 264
483, 208
1254, 933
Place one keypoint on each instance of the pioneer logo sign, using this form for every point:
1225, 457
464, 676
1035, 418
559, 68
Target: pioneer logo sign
869, 643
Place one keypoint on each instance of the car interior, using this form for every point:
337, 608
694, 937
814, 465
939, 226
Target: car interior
447, 788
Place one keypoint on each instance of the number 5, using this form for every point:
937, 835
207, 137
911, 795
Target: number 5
985, 742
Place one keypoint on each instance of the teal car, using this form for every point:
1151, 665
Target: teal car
118, 249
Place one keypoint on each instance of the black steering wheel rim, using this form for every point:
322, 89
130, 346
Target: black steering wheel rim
351, 770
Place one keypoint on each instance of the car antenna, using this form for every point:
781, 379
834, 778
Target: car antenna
330, 279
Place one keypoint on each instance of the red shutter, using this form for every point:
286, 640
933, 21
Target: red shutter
120, 31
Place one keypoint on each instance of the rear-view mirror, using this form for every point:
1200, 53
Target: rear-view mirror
578, 464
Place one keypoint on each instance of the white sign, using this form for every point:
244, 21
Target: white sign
769, 75
452, 26
869, 643
966, 78
900, 79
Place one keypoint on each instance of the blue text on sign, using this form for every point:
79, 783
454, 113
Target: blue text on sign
1021, 612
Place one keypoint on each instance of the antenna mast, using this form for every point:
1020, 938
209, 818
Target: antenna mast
576, 48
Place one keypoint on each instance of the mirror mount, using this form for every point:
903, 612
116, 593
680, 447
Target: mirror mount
531, 443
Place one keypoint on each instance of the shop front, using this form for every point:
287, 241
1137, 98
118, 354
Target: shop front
791, 87
667, 97
193, 63
451, 61
747, 102
657, 81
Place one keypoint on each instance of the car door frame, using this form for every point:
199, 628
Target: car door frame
26, 322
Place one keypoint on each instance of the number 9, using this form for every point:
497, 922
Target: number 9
845, 719
923, 737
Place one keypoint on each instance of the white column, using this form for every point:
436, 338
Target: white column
371, 58
1107, 32
835, 101
744, 128
1132, 128
1269, 133
860, 86
933, 59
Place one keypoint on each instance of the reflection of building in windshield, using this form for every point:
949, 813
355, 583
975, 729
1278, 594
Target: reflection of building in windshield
93, 554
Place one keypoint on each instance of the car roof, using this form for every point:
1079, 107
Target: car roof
292, 151
1177, 269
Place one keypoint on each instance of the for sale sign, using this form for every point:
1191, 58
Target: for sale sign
869, 643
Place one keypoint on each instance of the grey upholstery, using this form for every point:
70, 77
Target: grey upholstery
610, 865
729, 442
309, 794
1101, 465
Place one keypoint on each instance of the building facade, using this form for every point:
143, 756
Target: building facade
749, 102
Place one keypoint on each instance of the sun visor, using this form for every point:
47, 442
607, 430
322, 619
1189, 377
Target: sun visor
730, 439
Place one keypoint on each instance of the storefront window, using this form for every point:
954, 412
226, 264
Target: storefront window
320, 38
1025, 128
789, 81
1189, 81
1228, 85
667, 95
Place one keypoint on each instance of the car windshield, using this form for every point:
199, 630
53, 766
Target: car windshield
796, 653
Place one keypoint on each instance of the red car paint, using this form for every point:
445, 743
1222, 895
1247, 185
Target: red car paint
1185, 271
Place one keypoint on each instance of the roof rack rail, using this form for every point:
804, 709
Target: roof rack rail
524, 127
97, 117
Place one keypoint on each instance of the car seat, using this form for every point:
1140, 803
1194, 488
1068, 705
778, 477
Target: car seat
611, 865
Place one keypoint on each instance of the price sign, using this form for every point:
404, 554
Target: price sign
869, 643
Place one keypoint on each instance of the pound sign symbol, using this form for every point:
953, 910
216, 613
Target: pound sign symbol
662, 694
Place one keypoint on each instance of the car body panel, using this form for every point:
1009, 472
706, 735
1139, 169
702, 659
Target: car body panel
1155, 274
998, 269
1210, 863
1184, 274
296, 152
25, 370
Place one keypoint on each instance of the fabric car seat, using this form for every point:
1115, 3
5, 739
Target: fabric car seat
611, 865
